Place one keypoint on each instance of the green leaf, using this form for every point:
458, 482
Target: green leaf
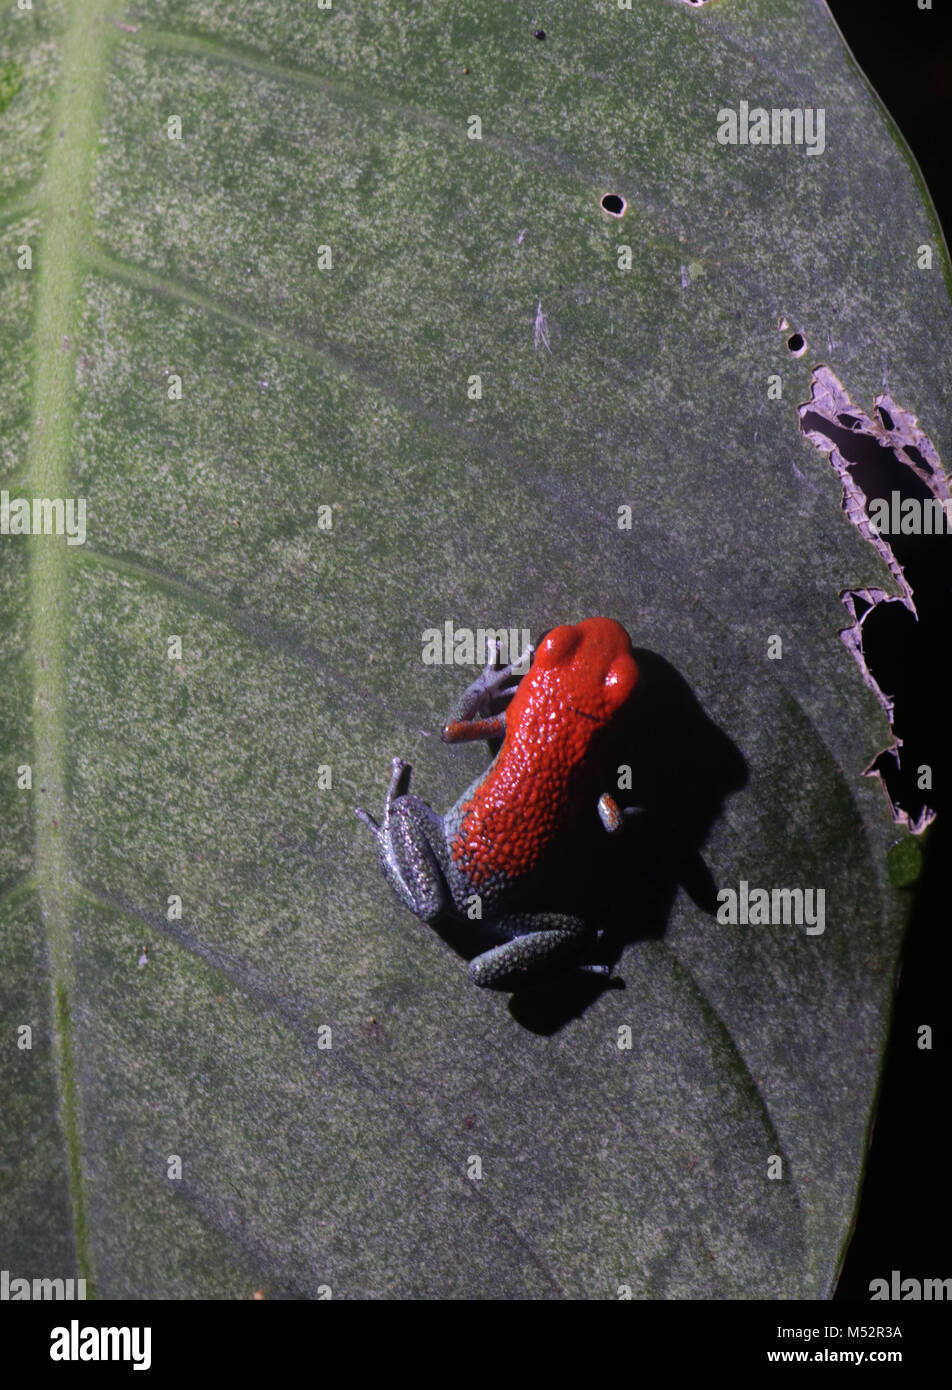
345, 386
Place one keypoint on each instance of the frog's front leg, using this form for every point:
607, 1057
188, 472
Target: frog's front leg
412, 847
472, 718
542, 943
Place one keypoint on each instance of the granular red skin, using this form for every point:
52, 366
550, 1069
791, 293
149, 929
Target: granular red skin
581, 677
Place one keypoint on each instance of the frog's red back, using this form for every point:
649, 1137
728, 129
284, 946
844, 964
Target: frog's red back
563, 713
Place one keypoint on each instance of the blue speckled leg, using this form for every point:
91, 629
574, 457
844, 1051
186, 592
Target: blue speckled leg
409, 857
543, 943
411, 845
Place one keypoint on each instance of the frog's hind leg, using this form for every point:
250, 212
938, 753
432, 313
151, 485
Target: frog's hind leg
555, 942
407, 842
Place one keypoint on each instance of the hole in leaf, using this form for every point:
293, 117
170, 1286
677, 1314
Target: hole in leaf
614, 204
797, 344
886, 418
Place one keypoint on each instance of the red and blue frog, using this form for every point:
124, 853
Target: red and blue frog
489, 863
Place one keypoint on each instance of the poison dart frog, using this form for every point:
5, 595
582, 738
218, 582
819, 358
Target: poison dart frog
487, 862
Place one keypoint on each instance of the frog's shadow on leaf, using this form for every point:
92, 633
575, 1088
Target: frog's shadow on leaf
683, 768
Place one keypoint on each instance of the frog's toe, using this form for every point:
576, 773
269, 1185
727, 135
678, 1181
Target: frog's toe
512, 668
399, 781
492, 656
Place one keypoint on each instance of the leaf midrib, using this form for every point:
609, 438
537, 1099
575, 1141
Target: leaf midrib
60, 259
